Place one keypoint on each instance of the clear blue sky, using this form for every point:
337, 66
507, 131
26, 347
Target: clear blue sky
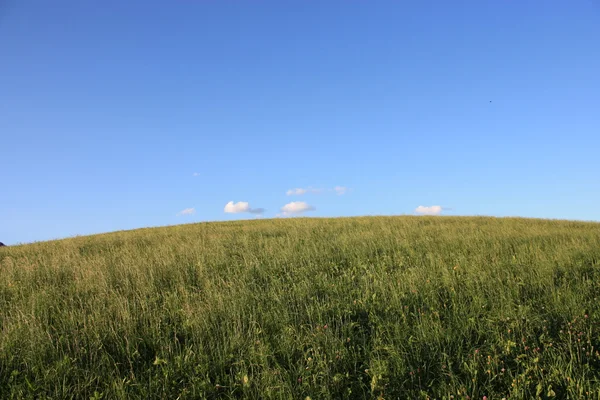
108, 109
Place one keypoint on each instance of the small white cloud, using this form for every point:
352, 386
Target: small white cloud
431, 210
196, 174
187, 211
296, 207
241, 207
295, 192
340, 190
301, 191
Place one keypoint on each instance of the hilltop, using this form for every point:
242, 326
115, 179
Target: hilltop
391, 307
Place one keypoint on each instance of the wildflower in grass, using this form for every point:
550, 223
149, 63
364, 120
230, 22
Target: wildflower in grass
159, 361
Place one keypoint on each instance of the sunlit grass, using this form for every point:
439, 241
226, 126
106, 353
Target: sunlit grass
403, 307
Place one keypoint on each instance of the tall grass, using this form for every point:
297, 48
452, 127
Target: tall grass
391, 307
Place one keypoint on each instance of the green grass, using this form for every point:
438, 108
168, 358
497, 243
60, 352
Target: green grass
398, 307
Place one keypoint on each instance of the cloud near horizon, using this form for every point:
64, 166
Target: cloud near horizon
295, 208
187, 211
301, 191
241, 207
340, 190
430, 210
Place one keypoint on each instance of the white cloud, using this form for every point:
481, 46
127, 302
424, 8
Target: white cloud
196, 174
187, 211
296, 192
431, 210
301, 191
238, 207
241, 207
296, 207
340, 190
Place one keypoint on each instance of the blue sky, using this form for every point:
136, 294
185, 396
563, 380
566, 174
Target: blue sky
122, 114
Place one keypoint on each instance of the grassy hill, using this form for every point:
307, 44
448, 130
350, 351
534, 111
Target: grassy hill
392, 307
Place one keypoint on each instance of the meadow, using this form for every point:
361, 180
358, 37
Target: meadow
348, 308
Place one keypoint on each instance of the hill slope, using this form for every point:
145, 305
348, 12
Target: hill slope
402, 307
